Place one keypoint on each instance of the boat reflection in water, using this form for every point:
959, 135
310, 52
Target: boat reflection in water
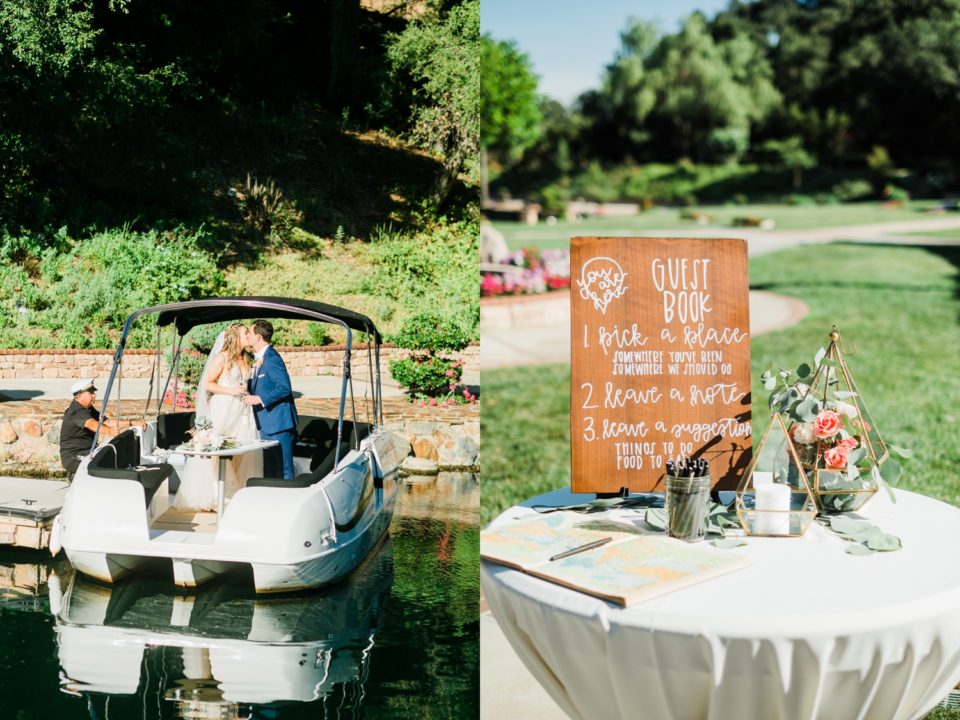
223, 646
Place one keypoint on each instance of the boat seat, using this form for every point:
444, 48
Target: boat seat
317, 437
303, 479
172, 429
120, 460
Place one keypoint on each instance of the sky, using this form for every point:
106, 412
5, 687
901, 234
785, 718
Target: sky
569, 42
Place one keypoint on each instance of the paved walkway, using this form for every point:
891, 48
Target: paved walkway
138, 389
536, 330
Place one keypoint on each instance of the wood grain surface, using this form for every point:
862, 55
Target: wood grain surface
660, 360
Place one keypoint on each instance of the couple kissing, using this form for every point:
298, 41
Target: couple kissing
247, 402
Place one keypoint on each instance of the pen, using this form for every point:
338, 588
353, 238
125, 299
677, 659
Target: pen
581, 548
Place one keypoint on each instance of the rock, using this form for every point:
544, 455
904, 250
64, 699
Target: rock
424, 447
419, 466
8, 435
493, 246
53, 434
457, 452
403, 444
419, 428
32, 427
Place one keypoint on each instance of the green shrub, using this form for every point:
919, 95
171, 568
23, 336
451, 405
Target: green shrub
427, 374
895, 193
81, 299
847, 190
430, 331
429, 269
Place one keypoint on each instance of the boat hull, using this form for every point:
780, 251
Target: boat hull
290, 538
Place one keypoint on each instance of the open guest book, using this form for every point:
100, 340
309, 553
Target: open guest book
630, 567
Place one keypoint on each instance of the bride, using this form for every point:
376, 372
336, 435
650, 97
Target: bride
220, 393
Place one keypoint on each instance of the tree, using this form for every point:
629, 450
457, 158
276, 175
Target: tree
791, 154
617, 112
440, 52
511, 118
702, 86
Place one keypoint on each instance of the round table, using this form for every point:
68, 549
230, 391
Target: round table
805, 631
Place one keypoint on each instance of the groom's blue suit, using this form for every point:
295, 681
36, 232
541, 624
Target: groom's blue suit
277, 416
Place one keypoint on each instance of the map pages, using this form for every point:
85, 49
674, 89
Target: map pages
631, 567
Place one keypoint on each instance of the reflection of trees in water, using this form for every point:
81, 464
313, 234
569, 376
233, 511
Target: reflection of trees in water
433, 620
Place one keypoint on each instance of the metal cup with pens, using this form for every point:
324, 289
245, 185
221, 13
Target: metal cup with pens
687, 499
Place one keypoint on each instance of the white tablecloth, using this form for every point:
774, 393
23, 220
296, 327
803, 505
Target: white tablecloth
806, 631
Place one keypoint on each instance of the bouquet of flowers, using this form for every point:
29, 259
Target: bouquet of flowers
205, 438
841, 450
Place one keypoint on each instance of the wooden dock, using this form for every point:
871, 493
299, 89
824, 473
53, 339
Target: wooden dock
28, 508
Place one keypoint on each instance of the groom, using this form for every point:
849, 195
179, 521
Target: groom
272, 399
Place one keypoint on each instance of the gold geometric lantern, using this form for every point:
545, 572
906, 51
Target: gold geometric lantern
774, 497
838, 442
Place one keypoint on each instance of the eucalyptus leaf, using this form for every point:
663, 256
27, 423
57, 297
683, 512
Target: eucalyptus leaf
891, 471
657, 518
844, 394
829, 363
808, 409
848, 525
803, 371
770, 383
821, 354
858, 549
605, 502
728, 543
884, 542
902, 452
766, 375
856, 455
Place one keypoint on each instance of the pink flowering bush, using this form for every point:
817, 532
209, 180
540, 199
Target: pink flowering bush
540, 271
186, 397
425, 373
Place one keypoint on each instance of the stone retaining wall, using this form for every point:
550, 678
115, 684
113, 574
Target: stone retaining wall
450, 436
301, 361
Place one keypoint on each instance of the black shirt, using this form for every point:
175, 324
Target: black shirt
75, 439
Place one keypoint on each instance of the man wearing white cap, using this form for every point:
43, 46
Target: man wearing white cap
79, 425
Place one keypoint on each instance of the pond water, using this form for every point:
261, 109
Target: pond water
398, 639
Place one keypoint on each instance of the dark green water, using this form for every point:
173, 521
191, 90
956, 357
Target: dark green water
398, 639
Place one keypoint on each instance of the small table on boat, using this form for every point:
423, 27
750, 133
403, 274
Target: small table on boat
224, 455
805, 632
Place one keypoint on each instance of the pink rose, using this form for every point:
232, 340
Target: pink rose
849, 443
836, 457
449, 373
827, 424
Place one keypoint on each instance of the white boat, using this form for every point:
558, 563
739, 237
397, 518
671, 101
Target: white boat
293, 534
221, 646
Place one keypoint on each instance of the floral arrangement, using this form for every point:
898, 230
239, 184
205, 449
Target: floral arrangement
841, 451
205, 438
542, 270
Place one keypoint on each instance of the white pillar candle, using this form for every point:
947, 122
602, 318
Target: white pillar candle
762, 478
772, 497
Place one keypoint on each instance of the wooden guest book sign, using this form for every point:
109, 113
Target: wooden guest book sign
660, 360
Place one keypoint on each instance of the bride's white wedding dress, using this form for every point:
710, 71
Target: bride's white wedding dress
230, 418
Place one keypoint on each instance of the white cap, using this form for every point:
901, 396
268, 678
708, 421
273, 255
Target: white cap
80, 385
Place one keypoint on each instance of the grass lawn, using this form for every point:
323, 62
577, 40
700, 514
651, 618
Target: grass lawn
900, 306
787, 218
943, 234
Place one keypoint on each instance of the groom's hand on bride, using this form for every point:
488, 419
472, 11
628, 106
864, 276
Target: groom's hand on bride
252, 400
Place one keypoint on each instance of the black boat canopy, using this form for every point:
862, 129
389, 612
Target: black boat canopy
191, 313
